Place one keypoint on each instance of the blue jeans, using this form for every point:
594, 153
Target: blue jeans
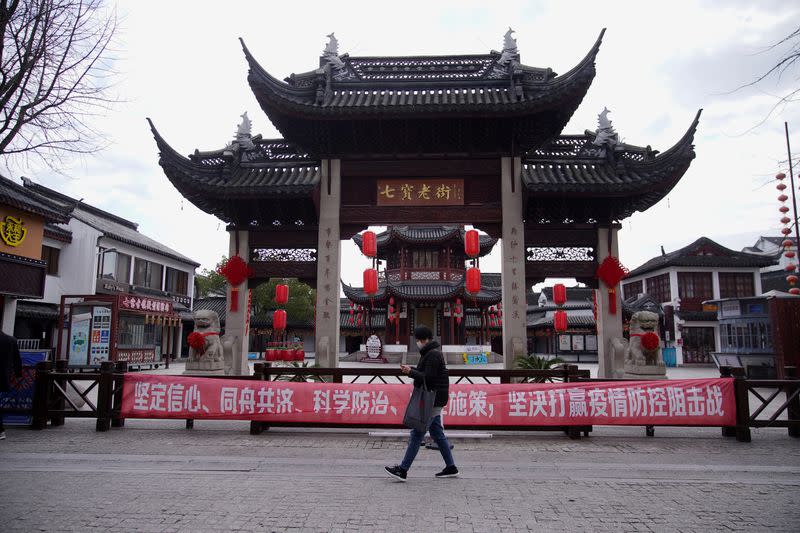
415, 440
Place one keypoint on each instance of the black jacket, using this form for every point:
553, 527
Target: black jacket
10, 361
432, 367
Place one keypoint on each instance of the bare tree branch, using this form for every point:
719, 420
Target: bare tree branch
55, 73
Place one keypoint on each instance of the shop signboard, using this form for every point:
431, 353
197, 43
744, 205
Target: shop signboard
136, 355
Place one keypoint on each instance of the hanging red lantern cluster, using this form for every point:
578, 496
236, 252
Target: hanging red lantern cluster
560, 321
473, 280
791, 266
369, 244
611, 273
392, 312
281, 294
495, 316
357, 314
472, 243
458, 311
235, 271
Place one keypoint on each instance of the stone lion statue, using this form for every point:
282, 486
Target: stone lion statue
206, 323
644, 346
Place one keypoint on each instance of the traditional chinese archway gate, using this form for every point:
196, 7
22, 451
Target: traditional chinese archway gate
359, 129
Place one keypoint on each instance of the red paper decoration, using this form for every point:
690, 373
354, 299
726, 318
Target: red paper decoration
369, 244
473, 280
281, 294
370, 281
197, 341
235, 271
472, 244
279, 320
559, 294
560, 321
650, 341
611, 272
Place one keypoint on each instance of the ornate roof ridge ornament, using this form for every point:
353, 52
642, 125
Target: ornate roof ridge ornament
242, 139
510, 52
331, 52
605, 133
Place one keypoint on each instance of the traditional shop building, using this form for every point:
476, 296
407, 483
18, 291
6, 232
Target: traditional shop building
357, 130
25, 224
683, 279
90, 252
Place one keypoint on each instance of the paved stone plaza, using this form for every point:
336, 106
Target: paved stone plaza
158, 476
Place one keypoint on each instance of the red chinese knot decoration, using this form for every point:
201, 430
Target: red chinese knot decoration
473, 280
472, 244
235, 271
369, 244
197, 341
611, 272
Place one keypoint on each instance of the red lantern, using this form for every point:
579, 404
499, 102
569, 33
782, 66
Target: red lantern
780, 176
781, 186
279, 320
473, 280
281, 294
458, 302
391, 300
369, 244
791, 267
472, 245
370, 281
559, 294
782, 198
787, 243
458, 320
299, 354
792, 279
560, 321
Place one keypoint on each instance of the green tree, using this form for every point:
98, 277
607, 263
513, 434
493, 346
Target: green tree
210, 282
300, 307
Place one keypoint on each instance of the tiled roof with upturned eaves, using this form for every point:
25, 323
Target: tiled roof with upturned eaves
426, 234
704, 253
15, 195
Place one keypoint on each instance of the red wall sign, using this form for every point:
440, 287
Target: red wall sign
687, 402
145, 304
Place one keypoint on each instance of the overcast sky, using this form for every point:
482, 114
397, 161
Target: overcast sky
181, 64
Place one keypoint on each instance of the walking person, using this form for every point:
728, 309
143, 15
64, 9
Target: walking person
432, 372
10, 362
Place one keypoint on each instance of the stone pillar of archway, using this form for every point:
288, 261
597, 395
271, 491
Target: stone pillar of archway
609, 327
235, 321
513, 262
328, 266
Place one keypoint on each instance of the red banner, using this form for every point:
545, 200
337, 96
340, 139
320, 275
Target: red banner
686, 402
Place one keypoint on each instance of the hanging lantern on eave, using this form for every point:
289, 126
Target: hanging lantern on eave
281, 294
472, 243
560, 321
559, 294
473, 280
370, 281
369, 244
279, 320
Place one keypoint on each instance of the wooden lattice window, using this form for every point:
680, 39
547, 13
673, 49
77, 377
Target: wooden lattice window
736, 285
658, 287
631, 290
695, 286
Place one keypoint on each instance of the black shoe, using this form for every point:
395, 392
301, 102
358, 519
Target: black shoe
396, 472
434, 446
449, 471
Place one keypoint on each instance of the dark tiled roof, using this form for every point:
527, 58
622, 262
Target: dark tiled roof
110, 225
429, 291
37, 310
416, 85
16, 196
704, 253
57, 232
422, 234
573, 320
698, 316
270, 169
217, 304
778, 240
643, 303
572, 164
774, 281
